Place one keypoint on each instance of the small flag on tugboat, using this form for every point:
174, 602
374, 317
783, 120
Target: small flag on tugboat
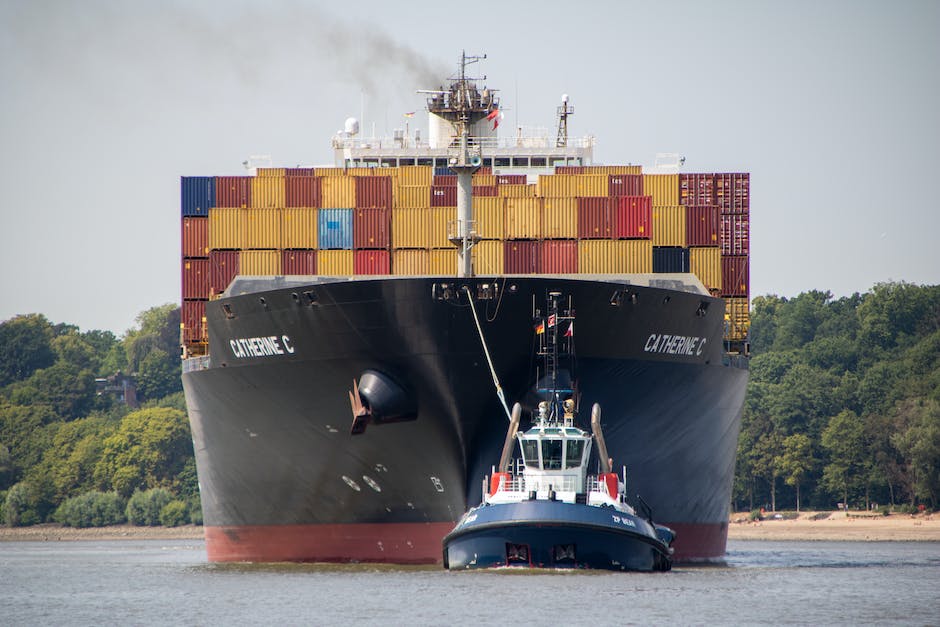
540, 328
551, 320
570, 331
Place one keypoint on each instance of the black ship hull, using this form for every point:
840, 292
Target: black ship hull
283, 479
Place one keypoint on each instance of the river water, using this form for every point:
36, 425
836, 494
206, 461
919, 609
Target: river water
159, 582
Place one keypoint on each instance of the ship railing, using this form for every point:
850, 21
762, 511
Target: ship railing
192, 364
483, 143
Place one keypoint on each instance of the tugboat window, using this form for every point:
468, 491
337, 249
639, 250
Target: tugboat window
551, 454
530, 453
573, 453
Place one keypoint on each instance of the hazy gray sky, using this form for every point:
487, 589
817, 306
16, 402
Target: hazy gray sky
833, 106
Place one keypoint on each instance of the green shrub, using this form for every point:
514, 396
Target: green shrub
884, 510
174, 514
195, 510
755, 515
143, 508
91, 509
19, 508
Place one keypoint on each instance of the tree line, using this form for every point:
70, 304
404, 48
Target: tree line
843, 402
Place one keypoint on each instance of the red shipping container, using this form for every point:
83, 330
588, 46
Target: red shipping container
594, 218
371, 227
633, 217
569, 169
195, 278
374, 191
223, 266
735, 279
735, 234
302, 191
299, 172
485, 190
232, 191
191, 316
443, 196
625, 184
195, 237
511, 179
732, 192
696, 189
299, 261
521, 256
701, 226
560, 256
445, 180
371, 262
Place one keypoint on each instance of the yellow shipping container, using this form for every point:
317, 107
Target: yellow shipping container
573, 185
329, 171
487, 258
225, 228
441, 218
298, 227
259, 262
669, 226
601, 256
517, 191
408, 196
560, 218
261, 228
338, 192
411, 261
443, 261
664, 188
705, 262
484, 180
415, 174
489, 214
613, 169
268, 191
335, 262
271, 172
523, 218
411, 228
737, 318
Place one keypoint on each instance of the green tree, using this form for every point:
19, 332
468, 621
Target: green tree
158, 375
25, 346
766, 462
796, 461
67, 389
918, 441
845, 440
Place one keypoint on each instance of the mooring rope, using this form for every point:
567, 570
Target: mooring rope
499, 388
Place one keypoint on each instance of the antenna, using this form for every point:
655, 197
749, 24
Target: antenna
564, 110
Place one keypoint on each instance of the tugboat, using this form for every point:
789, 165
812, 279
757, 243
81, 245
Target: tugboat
544, 510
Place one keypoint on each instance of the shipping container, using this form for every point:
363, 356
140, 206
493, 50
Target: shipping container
302, 191
489, 215
261, 228
299, 227
705, 263
523, 219
444, 180
411, 228
223, 267
415, 175
696, 189
632, 217
193, 322
487, 258
701, 225
670, 259
511, 179
372, 229
338, 191
412, 196
595, 219
625, 184
270, 172
335, 262
443, 196
664, 188
559, 256
625, 256
480, 179
268, 191
735, 277
569, 169
522, 256
443, 221
735, 234
732, 192
410, 261
573, 185
299, 262
335, 229
371, 262
289, 172
373, 192
195, 237
737, 319
259, 262
225, 228
197, 195
195, 278
612, 169
560, 218
485, 190
442, 261
232, 191
329, 171
516, 191
669, 226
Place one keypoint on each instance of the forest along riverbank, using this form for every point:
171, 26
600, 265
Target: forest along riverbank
836, 526
51, 532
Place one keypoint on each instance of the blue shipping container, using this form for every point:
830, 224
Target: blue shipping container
670, 259
335, 229
198, 195
442, 171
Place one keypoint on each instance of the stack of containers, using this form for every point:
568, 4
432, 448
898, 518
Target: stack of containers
372, 223
197, 198
411, 220
299, 221
732, 195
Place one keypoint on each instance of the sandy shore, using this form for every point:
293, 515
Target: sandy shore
56, 532
837, 526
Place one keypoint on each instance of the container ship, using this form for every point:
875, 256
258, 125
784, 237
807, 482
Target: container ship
350, 333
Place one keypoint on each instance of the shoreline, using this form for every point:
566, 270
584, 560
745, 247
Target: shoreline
54, 532
837, 526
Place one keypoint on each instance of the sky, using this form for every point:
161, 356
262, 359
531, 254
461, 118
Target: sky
832, 106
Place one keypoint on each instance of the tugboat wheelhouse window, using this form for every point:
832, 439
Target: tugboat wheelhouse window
573, 453
551, 454
530, 453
